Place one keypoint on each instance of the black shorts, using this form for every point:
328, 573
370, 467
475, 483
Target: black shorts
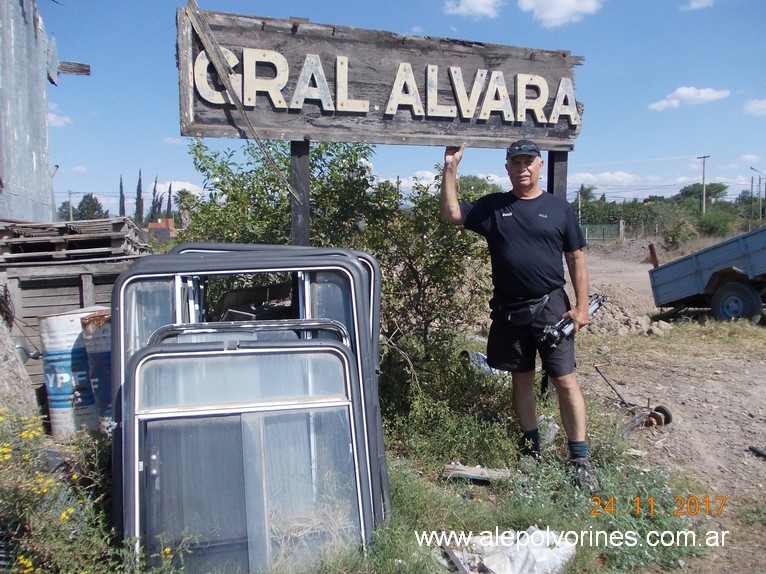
514, 348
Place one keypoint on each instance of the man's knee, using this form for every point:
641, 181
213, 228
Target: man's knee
565, 383
523, 381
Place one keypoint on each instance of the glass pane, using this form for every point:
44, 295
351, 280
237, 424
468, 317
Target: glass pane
255, 491
332, 299
148, 306
252, 378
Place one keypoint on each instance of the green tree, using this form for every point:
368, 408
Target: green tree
122, 199
138, 217
64, 211
155, 208
477, 186
169, 207
247, 202
90, 208
586, 193
185, 201
436, 280
713, 192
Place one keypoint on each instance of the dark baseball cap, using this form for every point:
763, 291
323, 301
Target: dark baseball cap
522, 147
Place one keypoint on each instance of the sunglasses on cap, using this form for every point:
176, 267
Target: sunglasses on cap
532, 149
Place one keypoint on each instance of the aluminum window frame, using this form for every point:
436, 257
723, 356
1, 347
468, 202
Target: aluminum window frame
135, 421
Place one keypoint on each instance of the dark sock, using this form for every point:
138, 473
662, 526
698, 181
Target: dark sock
578, 449
530, 442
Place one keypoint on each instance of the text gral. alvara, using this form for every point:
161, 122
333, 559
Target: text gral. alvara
489, 93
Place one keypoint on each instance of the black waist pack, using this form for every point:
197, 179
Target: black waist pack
521, 312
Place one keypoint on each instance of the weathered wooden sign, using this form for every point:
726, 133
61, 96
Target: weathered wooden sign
298, 80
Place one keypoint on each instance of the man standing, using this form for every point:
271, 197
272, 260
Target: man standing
529, 234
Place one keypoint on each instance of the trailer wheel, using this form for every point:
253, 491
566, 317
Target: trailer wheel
667, 418
735, 300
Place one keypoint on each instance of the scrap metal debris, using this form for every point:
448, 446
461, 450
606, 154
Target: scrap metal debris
531, 551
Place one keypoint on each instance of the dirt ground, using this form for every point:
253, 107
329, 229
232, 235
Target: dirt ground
718, 404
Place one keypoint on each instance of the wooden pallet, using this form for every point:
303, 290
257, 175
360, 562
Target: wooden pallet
40, 242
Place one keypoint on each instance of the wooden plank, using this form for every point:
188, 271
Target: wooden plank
33, 295
87, 290
62, 254
26, 270
74, 68
374, 86
476, 473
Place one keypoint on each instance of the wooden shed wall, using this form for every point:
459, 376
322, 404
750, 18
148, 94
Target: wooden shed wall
52, 289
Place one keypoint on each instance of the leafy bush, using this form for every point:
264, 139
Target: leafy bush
679, 232
717, 223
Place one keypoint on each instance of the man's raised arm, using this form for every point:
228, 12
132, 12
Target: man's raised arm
449, 206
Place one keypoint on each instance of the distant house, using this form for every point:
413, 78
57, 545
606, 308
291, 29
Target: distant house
28, 61
162, 230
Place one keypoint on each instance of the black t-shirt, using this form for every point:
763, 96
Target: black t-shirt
526, 240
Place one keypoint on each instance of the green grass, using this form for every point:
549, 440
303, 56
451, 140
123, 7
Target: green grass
59, 521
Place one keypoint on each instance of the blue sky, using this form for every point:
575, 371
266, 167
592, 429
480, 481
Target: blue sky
662, 81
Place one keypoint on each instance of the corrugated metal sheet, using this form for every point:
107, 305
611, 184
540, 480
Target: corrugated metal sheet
26, 192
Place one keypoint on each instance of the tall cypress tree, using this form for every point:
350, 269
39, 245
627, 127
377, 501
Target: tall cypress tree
169, 208
138, 218
122, 199
156, 208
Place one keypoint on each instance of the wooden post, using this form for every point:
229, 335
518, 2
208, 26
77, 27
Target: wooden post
86, 287
653, 256
300, 172
557, 172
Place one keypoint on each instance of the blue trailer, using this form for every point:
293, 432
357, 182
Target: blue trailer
729, 278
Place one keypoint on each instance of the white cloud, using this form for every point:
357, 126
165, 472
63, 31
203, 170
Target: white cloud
501, 180
57, 120
697, 4
476, 8
755, 107
554, 13
79, 169
689, 95
424, 177
162, 187
749, 158
174, 141
605, 178
417, 29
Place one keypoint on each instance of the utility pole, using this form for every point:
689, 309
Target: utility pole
71, 217
760, 208
703, 158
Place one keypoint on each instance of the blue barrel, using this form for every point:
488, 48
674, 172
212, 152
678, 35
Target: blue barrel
97, 334
65, 368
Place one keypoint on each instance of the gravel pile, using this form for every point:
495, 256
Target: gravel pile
625, 312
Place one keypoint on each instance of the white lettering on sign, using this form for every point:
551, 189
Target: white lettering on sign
405, 92
252, 84
435, 109
344, 103
535, 105
486, 97
205, 90
312, 85
565, 103
467, 105
497, 99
